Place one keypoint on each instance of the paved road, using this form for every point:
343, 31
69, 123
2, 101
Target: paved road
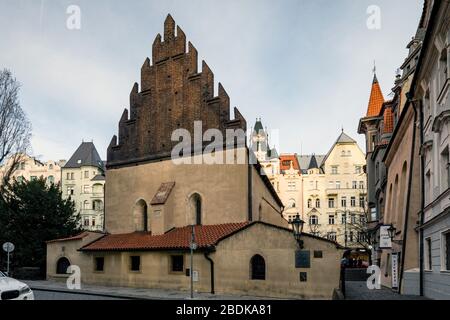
357, 290
48, 295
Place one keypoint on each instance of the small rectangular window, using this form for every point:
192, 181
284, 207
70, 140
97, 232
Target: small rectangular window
331, 219
303, 277
447, 251
99, 263
428, 262
177, 263
344, 202
330, 202
135, 263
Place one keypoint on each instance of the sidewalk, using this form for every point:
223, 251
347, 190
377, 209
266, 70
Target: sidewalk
357, 290
132, 293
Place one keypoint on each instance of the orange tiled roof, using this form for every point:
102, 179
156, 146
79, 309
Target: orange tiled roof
289, 158
388, 121
77, 237
177, 238
376, 99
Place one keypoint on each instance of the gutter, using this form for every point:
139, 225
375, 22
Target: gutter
211, 263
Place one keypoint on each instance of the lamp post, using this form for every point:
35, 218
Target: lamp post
297, 227
392, 231
192, 246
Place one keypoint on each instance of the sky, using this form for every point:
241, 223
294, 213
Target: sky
303, 66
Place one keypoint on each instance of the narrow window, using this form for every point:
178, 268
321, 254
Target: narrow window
331, 219
99, 263
177, 263
62, 265
429, 265
344, 202
258, 268
447, 251
330, 202
135, 263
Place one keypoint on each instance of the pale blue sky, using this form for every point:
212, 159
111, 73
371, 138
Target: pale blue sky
304, 66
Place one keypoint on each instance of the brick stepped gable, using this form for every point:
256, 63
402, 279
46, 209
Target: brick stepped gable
173, 95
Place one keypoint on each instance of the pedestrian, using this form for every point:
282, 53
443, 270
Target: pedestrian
359, 262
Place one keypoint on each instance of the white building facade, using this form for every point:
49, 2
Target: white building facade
83, 181
30, 168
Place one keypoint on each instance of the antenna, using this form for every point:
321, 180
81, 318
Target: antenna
374, 67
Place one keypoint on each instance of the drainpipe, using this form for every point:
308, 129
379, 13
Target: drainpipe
405, 227
211, 263
250, 186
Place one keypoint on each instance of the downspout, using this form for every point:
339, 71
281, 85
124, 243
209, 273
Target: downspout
211, 263
405, 227
250, 187
104, 206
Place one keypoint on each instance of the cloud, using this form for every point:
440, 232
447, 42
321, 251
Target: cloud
303, 66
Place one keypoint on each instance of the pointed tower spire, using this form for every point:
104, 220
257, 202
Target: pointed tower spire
376, 99
313, 163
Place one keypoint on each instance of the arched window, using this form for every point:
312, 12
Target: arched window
62, 265
86, 205
291, 203
196, 208
140, 216
402, 194
309, 203
313, 220
317, 203
258, 268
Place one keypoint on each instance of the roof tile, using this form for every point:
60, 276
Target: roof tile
376, 99
178, 238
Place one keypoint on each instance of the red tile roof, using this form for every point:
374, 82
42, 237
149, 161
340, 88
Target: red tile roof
376, 99
289, 158
77, 237
177, 238
388, 121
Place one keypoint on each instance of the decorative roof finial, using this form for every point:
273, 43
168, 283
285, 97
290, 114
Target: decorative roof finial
374, 70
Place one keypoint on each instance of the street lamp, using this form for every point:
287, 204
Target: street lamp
392, 231
297, 227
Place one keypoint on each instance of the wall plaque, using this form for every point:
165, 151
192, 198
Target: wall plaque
303, 277
302, 259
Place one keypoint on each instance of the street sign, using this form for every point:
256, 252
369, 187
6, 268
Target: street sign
8, 247
385, 238
394, 262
